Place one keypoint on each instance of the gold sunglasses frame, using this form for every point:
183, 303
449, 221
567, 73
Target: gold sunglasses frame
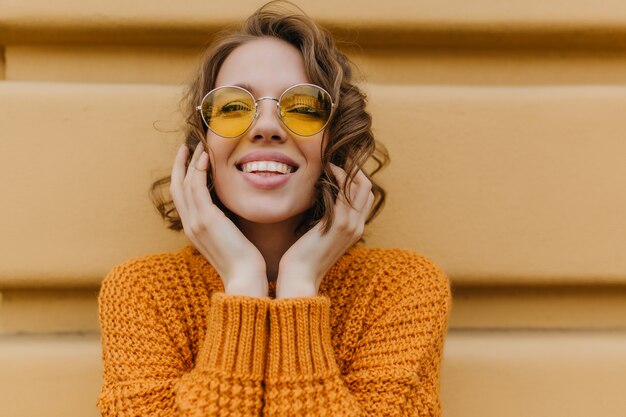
256, 108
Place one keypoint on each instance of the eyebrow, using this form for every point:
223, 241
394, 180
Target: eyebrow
247, 87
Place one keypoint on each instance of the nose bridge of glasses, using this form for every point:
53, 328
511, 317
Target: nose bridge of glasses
256, 102
266, 98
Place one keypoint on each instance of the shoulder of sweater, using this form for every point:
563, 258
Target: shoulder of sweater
402, 269
148, 269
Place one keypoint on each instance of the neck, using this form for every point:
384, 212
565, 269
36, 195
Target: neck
272, 240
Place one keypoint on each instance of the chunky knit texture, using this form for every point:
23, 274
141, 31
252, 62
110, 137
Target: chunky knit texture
370, 343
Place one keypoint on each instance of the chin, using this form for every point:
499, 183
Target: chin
265, 219
266, 214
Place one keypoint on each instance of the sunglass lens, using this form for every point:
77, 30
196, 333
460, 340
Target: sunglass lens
305, 109
228, 111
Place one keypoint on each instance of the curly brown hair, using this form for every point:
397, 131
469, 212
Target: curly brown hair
349, 135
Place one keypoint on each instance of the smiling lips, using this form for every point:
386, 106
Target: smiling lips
269, 162
266, 169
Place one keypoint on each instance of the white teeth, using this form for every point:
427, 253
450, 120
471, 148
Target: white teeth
266, 166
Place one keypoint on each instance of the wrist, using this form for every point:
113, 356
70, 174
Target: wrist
251, 288
295, 287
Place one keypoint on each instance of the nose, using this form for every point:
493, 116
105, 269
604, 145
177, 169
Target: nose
267, 125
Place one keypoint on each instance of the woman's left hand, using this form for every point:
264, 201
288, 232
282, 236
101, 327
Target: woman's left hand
305, 263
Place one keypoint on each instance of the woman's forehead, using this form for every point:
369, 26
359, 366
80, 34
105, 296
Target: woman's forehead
265, 65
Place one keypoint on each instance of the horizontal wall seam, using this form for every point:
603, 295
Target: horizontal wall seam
544, 35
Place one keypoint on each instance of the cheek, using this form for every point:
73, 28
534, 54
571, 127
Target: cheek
219, 151
221, 179
312, 151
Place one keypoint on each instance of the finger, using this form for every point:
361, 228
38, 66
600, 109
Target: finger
368, 207
176, 182
178, 169
339, 173
188, 184
198, 185
345, 217
362, 187
360, 216
358, 188
370, 201
194, 158
341, 177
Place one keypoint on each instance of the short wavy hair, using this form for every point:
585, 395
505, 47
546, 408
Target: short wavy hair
349, 137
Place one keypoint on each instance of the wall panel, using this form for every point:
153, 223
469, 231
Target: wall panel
507, 181
521, 374
499, 66
104, 64
48, 311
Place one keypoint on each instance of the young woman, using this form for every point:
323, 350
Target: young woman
274, 310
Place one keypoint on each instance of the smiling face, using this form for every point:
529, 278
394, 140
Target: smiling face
268, 174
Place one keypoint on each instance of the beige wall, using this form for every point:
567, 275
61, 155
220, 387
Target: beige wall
508, 169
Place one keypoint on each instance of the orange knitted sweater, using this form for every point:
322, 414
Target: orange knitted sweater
369, 344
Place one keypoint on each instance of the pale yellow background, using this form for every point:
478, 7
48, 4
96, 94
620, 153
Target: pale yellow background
506, 124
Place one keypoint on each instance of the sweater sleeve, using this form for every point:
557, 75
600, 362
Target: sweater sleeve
395, 371
145, 373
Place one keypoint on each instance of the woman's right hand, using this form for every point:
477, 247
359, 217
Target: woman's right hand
238, 262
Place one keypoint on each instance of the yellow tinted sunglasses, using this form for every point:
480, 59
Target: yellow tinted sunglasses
229, 111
